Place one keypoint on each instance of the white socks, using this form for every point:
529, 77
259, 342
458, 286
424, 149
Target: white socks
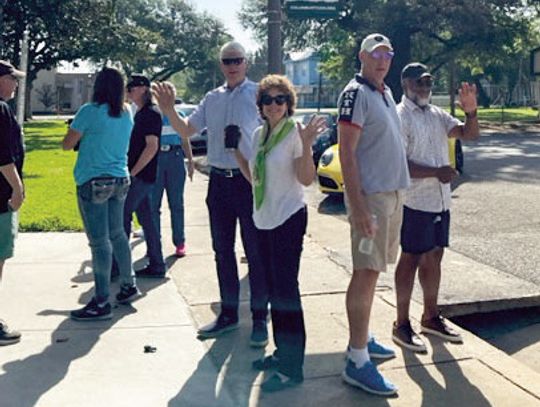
359, 356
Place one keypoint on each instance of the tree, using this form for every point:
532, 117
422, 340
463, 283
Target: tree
434, 32
158, 37
47, 96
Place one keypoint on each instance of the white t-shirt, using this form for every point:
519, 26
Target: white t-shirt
284, 194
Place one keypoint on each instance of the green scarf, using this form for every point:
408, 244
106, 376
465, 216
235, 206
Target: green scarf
267, 143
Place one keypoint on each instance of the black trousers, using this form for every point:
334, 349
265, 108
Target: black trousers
229, 202
280, 250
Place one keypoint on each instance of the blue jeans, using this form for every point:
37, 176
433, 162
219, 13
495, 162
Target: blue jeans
101, 204
138, 201
171, 177
229, 200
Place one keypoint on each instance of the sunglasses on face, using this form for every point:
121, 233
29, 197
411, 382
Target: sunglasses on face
279, 99
424, 82
232, 61
387, 55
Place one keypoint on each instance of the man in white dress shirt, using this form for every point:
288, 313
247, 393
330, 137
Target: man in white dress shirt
426, 216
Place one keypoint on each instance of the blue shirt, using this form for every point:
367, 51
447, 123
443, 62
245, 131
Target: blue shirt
168, 135
104, 142
221, 107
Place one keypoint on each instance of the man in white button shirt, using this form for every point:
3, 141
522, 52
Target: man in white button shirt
426, 215
229, 200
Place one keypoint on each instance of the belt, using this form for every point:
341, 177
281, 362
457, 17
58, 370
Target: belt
225, 172
169, 147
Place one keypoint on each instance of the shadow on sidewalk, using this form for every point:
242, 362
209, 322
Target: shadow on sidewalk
223, 371
26, 380
456, 390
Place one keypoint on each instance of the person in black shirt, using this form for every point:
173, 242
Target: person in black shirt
142, 164
11, 186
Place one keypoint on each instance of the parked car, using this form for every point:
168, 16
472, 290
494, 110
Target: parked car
323, 140
329, 168
198, 140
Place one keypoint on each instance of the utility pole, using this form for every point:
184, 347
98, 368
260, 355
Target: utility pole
23, 66
2, 4
274, 36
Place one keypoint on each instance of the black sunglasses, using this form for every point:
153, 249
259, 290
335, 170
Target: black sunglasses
279, 99
424, 82
232, 61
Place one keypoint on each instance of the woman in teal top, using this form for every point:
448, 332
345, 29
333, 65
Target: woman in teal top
102, 130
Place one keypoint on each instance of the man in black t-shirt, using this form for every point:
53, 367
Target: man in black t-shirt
142, 164
11, 186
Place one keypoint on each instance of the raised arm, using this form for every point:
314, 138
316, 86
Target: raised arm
165, 94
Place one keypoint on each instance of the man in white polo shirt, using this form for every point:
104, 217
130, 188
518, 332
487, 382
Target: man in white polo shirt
426, 217
375, 172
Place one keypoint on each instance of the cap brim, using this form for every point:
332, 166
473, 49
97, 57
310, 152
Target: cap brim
380, 45
426, 75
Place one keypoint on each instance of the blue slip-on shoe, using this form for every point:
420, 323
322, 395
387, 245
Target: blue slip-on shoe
368, 379
259, 334
278, 382
221, 325
377, 350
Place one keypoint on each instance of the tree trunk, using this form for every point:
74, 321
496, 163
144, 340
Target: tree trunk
401, 41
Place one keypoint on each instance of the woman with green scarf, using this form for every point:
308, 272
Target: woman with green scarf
280, 166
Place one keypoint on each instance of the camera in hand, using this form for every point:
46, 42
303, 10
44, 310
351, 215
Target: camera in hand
232, 136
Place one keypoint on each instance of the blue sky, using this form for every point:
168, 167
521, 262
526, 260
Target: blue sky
226, 11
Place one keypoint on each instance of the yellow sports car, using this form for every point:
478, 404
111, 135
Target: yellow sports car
329, 168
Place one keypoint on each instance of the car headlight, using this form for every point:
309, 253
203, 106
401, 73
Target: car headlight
327, 158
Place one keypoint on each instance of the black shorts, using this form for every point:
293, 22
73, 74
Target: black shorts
423, 231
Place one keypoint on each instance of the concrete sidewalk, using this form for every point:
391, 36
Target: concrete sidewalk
60, 362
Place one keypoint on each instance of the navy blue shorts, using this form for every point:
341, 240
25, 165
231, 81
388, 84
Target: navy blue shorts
422, 231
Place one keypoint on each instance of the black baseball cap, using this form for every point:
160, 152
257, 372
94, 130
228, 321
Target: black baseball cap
7, 69
138, 79
415, 70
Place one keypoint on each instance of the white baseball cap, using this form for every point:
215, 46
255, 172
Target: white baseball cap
375, 40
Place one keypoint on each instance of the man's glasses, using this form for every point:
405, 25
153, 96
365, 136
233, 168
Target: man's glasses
232, 61
424, 82
387, 55
279, 99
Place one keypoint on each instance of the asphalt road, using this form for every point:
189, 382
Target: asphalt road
496, 204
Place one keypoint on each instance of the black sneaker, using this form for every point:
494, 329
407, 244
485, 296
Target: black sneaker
404, 336
221, 325
149, 272
127, 294
8, 337
92, 312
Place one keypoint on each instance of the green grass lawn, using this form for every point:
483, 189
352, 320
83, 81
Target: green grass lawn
498, 115
50, 203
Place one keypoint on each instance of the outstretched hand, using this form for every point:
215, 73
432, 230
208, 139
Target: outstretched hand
316, 125
165, 94
467, 97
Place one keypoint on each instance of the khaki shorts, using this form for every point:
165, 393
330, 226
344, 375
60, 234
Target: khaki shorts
388, 207
9, 224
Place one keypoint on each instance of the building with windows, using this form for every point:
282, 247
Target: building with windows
311, 86
62, 90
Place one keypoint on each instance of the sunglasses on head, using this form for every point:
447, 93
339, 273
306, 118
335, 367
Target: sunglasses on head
279, 99
387, 55
232, 61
